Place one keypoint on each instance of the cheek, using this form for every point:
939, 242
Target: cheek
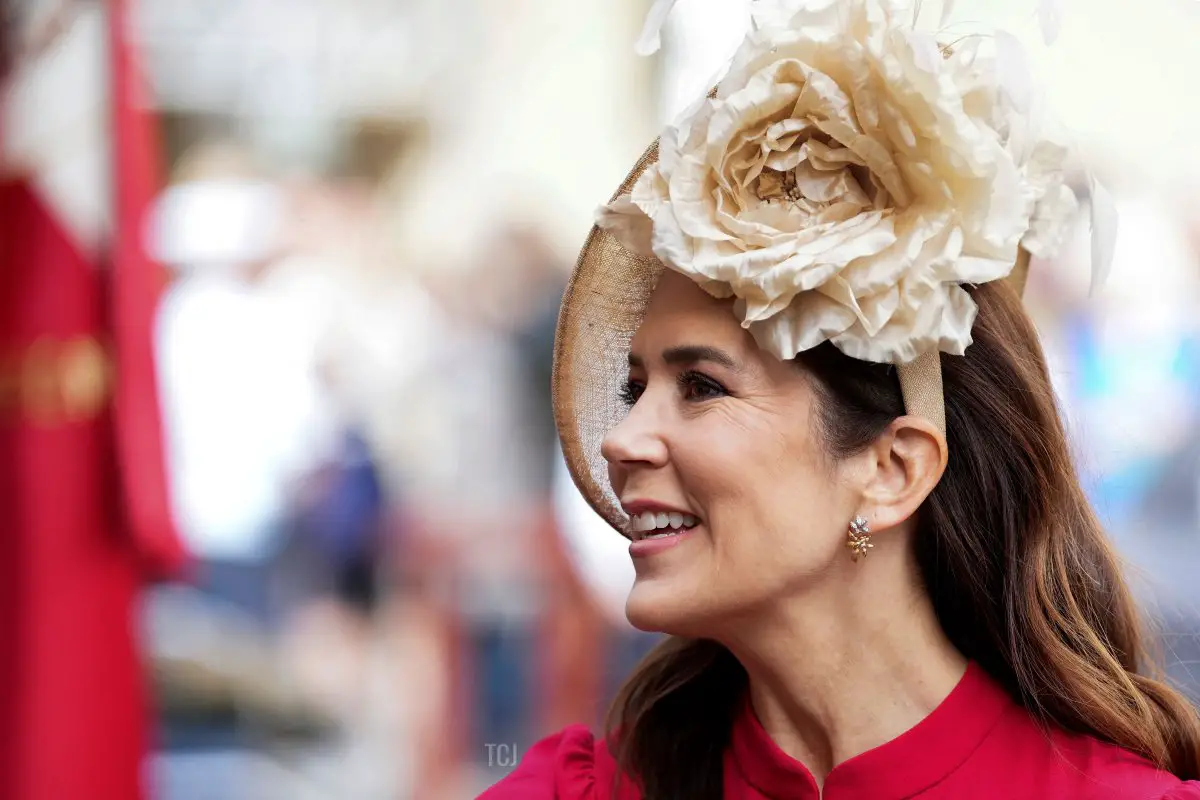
777, 542
716, 469
726, 459
771, 502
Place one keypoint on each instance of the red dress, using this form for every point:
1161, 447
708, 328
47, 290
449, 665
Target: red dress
977, 745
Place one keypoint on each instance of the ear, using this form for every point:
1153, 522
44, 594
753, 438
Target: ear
908, 461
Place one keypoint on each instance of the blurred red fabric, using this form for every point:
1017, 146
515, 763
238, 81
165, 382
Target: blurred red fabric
82, 483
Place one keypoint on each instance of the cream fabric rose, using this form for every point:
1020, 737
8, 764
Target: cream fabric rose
845, 179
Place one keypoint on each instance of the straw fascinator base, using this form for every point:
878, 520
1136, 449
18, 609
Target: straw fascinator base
787, 135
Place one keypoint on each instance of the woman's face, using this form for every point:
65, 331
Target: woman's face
720, 432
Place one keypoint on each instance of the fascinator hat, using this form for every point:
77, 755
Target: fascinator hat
843, 181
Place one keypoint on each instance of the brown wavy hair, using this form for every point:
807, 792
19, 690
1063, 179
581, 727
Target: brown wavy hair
1022, 577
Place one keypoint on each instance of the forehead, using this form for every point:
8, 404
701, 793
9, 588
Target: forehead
681, 312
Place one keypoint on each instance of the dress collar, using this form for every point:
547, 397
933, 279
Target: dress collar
908, 764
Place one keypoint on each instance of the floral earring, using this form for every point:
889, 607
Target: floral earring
860, 538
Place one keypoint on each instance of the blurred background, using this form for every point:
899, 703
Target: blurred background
325, 243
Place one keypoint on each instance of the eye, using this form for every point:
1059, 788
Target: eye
698, 386
631, 391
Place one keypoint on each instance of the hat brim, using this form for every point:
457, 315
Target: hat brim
603, 305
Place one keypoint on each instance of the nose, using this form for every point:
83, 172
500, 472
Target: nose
637, 441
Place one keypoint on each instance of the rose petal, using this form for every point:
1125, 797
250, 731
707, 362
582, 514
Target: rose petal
629, 224
1051, 221
824, 156
821, 96
692, 202
884, 269
770, 224
815, 16
878, 159
825, 187
744, 150
650, 191
767, 97
669, 243
956, 319
874, 311
811, 319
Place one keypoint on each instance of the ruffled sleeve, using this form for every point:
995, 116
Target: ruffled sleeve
1188, 790
560, 767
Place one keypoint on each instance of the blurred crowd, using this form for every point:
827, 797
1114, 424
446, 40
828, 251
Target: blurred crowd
365, 469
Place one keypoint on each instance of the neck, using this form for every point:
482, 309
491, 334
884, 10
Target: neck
842, 672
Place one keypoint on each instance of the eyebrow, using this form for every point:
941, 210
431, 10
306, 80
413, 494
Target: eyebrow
690, 354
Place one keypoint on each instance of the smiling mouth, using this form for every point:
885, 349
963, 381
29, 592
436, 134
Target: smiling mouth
660, 525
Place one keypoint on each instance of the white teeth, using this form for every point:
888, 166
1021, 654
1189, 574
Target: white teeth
650, 521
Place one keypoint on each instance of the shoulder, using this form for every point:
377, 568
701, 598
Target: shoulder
1063, 764
1114, 773
569, 765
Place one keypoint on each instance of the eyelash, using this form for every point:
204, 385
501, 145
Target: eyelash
631, 392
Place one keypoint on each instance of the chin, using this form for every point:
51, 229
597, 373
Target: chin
664, 605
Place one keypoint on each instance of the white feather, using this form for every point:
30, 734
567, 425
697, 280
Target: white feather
651, 39
947, 10
1012, 70
1050, 17
1104, 233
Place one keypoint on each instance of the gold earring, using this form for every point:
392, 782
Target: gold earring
860, 538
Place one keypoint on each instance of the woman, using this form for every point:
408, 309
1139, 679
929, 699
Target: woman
879, 574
